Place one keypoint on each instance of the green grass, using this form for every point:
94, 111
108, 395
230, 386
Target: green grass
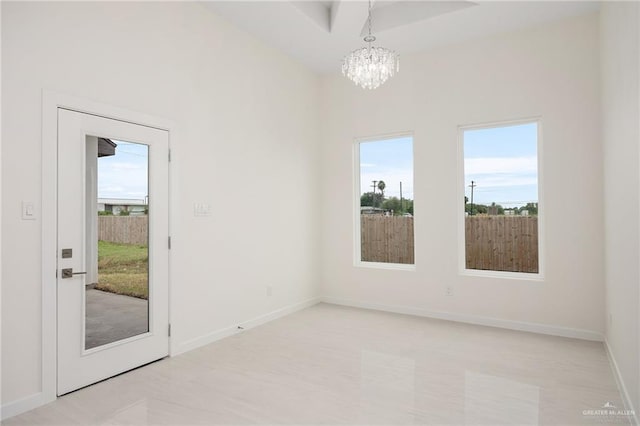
123, 269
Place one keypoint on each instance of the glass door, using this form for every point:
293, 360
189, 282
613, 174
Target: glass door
112, 247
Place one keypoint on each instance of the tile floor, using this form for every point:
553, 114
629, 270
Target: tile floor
337, 365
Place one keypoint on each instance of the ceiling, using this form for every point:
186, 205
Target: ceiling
320, 33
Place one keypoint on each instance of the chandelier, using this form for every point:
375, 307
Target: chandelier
370, 66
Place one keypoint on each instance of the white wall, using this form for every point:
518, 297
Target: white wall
620, 44
551, 72
245, 141
0, 214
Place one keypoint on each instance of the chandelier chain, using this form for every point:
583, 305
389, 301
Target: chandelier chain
369, 18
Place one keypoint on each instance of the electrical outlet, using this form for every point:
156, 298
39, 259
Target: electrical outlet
269, 290
202, 209
449, 291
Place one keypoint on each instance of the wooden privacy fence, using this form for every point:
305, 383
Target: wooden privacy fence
496, 243
387, 239
124, 229
502, 243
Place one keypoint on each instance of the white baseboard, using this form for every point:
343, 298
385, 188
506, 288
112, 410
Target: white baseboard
628, 404
279, 313
474, 319
22, 405
200, 341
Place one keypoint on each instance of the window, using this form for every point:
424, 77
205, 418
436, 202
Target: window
501, 198
384, 212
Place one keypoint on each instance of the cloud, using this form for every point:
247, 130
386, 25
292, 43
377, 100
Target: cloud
122, 180
491, 165
127, 166
503, 180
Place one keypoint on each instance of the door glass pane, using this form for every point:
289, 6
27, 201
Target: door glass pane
117, 241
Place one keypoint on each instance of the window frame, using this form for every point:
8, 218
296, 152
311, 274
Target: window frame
520, 276
357, 242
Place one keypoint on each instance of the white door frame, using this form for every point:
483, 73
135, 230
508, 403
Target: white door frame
51, 101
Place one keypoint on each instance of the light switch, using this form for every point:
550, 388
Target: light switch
202, 209
28, 210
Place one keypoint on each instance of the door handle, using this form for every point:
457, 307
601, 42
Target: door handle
68, 273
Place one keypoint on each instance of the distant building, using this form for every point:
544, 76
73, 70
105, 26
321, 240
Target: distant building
371, 210
116, 205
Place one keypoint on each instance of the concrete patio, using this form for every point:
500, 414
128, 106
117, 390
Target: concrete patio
111, 317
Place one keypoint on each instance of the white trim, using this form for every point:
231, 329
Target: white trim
1, 408
107, 346
636, 413
49, 246
219, 334
51, 102
357, 249
626, 399
506, 275
520, 276
531, 327
390, 266
23, 405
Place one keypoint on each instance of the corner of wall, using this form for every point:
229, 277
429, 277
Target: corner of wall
620, 135
626, 398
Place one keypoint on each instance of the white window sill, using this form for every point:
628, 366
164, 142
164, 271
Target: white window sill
388, 266
518, 276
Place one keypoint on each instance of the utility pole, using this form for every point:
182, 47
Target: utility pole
473, 185
401, 203
374, 192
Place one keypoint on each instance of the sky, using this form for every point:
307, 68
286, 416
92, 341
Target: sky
503, 163
390, 160
126, 174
